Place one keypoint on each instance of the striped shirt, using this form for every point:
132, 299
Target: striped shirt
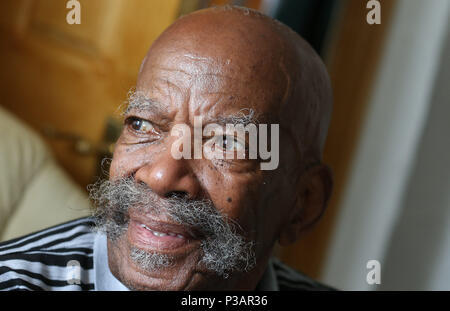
71, 257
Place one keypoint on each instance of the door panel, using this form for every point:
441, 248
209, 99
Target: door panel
73, 77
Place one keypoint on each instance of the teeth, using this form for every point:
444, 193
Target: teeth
162, 234
159, 233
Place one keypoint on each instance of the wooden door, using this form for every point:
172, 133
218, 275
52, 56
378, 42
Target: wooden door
73, 77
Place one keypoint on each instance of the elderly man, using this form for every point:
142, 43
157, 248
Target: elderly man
166, 222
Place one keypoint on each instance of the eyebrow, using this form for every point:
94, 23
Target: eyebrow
139, 101
244, 116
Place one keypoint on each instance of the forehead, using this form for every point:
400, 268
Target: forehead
215, 77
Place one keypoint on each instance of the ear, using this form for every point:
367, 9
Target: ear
313, 192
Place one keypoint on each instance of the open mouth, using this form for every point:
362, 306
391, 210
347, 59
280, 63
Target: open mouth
155, 235
163, 234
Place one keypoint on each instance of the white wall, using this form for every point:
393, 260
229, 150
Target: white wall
418, 256
371, 223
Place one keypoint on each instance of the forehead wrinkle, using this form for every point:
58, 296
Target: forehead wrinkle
198, 58
185, 67
184, 94
168, 69
203, 65
212, 84
156, 78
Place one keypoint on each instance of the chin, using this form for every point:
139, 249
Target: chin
186, 272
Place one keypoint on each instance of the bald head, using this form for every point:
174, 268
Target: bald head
285, 80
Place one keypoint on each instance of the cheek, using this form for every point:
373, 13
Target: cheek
235, 195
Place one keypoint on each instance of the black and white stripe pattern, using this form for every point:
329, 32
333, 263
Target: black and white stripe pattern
291, 280
39, 260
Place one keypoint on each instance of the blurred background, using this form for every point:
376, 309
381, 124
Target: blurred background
388, 144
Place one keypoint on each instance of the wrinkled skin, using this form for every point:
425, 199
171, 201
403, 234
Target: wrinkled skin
212, 63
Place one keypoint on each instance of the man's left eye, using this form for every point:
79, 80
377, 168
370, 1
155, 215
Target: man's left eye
230, 143
140, 125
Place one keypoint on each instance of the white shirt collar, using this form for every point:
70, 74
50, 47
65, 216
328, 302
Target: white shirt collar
104, 279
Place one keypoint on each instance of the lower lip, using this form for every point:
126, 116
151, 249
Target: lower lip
145, 238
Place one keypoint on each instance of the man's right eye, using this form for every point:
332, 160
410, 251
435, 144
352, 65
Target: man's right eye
140, 126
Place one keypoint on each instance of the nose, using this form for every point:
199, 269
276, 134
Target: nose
167, 176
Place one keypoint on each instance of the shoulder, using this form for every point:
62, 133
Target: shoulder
40, 260
290, 279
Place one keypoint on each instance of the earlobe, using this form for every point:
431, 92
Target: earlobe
314, 191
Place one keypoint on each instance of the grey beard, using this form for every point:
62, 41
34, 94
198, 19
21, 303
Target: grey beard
224, 250
150, 261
